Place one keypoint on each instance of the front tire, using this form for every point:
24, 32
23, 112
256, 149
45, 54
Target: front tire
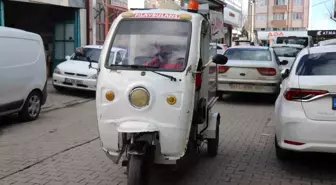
32, 107
136, 170
213, 144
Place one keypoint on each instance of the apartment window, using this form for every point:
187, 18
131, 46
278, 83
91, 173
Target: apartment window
261, 17
279, 16
297, 2
281, 2
297, 15
261, 2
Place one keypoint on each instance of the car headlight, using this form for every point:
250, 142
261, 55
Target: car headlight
139, 97
93, 76
57, 70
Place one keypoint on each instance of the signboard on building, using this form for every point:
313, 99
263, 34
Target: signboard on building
217, 25
67, 3
267, 35
232, 17
120, 3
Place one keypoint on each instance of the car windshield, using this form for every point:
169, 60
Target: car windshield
160, 45
317, 64
286, 51
91, 53
293, 40
256, 54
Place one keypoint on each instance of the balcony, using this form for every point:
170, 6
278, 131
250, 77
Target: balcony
280, 8
279, 23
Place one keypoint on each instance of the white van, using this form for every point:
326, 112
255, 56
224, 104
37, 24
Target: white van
23, 76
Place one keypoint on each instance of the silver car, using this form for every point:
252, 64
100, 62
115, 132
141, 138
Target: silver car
252, 69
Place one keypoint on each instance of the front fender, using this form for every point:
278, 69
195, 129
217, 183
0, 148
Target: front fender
137, 127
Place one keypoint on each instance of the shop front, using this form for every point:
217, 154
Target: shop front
321, 35
268, 37
57, 22
232, 19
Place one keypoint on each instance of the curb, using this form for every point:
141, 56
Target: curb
65, 105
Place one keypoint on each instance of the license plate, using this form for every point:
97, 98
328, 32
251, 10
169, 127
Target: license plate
241, 86
73, 81
334, 103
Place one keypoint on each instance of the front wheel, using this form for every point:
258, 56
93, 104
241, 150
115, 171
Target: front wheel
213, 144
136, 170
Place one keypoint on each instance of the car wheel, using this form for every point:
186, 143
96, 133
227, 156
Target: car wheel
58, 88
32, 107
281, 153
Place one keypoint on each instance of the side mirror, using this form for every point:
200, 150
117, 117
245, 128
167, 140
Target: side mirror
67, 57
219, 59
285, 73
79, 51
284, 62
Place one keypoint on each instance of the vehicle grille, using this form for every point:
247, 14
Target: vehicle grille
75, 74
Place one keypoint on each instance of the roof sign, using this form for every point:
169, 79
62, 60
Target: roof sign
157, 15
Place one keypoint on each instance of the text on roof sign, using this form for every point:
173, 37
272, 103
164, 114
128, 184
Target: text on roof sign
157, 15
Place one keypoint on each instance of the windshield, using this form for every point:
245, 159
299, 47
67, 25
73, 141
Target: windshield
160, 45
293, 40
286, 51
248, 54
91, 53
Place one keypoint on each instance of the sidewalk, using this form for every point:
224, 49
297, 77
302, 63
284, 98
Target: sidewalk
57, 100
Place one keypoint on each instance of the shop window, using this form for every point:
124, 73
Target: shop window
297, 15
280, 2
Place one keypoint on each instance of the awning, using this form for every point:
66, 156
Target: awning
66, 3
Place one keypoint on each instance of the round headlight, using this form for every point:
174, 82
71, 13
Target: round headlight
139, 97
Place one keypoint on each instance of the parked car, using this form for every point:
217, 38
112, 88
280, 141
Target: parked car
250, 69
23, 75
305, 109
287, 52
75, 72
221, 48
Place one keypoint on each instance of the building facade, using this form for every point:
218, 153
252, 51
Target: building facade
61, 32
280, 17
232, 19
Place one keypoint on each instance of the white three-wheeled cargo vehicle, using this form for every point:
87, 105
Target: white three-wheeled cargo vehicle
154, 102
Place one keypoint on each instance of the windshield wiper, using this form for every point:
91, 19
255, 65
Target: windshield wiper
167, 76
152, 67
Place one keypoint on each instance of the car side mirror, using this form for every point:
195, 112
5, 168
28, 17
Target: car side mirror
219, 59
79, 51
284, 62
67, 57
285, 73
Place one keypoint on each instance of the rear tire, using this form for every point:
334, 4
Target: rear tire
32, 107
281, 153
213, 144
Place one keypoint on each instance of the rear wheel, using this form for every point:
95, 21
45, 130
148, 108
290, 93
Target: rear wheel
213, 143
32, 107
281, 154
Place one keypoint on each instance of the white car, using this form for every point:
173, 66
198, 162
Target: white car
249, 69
220, 48
305, 110
75, 72
287, 52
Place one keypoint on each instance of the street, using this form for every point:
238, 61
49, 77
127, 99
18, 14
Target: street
62, 147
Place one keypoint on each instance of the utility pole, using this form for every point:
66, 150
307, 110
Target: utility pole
94, 23
252, 17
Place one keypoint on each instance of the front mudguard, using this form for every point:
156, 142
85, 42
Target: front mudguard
210, 132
